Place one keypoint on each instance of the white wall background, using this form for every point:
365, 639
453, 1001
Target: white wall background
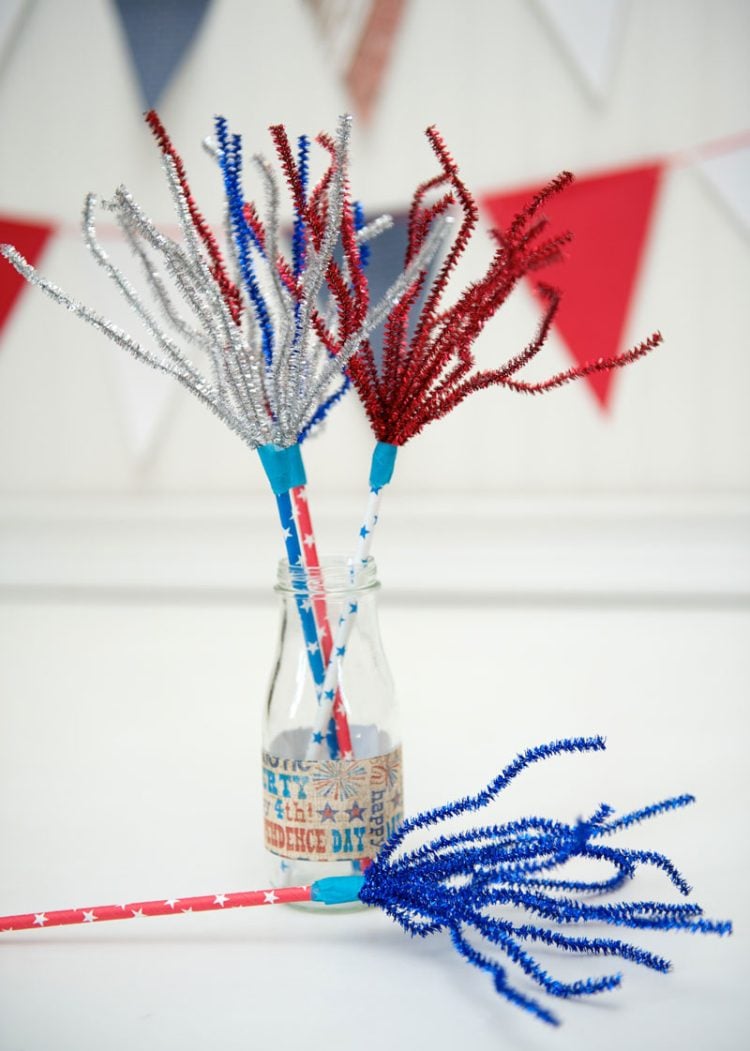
583, 572
496, 81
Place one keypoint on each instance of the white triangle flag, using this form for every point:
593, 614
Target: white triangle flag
729, 175
144, 397
587, 30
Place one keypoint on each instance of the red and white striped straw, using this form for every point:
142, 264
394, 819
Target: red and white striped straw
161, 907
320, 607
328, 704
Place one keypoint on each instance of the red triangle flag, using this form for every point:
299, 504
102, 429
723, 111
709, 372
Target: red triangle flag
30, 240
609, 216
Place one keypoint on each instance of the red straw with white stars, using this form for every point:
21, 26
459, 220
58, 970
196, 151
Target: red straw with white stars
320, 607
160, 907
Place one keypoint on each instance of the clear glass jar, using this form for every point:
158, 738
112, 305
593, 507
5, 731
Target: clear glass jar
324, 811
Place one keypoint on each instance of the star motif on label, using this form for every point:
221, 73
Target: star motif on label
312, 647
137, 913
171, 902
39, 919
305, 605
287, 533
330, 694
352, 607
340, 651
364, 531
220, 899
347, 755
323, 631
309, 541
269, 897
187, 910
327, 813
317, 738
89, 917
339, 709
356, 812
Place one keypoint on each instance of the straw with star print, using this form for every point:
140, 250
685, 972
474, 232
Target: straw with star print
427, 368
348, 320
268, 404
456, 882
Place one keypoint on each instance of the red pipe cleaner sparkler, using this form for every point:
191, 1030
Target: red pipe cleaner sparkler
425, 376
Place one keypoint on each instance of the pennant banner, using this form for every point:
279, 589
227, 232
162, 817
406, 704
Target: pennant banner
609, 216
159, 34
30, 239
588, 31
359, 35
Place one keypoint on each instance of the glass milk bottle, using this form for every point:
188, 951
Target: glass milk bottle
329, 800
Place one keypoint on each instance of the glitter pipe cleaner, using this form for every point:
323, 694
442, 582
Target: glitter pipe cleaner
457, 881
248, 231
348, 295
240, 390
250, 236
339, 741
426, 374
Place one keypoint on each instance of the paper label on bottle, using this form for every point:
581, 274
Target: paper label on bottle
331, 809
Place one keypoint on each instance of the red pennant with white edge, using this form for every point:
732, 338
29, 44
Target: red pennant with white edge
609, 216
30, 239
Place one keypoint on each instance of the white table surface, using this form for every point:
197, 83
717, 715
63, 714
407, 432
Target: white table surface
129, 741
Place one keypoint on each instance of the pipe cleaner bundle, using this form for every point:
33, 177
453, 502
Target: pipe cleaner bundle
277, 353
496, 890
428, 363
284, 337
275, 356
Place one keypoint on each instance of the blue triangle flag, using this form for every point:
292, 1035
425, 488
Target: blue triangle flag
159, 33
386, 261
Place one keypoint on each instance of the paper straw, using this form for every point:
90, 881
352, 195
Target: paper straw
320, 607
304, 608
334, 890
330, 700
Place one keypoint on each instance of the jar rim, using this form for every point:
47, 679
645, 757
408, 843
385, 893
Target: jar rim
335, 574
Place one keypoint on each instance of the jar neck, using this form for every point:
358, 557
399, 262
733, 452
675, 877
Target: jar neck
336, 575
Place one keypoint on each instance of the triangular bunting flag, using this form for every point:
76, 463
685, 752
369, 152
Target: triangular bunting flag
385, 262
159, 33
144, 397
609, 216
729, 175
30, 240
359, 36
587, 31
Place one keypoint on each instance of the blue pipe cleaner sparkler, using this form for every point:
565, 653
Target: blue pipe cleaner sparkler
456, 882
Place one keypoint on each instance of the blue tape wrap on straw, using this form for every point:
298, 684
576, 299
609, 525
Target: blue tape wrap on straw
285, 471
337, 890
283, 467
383, 462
